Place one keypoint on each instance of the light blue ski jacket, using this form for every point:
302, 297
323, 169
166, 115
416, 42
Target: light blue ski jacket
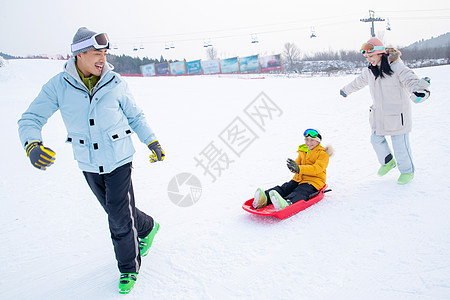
99, 123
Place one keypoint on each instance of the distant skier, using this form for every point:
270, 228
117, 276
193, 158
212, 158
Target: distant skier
310, 170
100, 114
392, 85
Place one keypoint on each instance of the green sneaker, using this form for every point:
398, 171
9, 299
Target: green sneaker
278, 201
146, 243
384, 169
405, 178
260, 199
126, 283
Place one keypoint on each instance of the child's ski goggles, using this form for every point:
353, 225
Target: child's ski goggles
312, 133
98, 41
369, 48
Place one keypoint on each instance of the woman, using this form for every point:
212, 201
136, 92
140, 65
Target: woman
391, 84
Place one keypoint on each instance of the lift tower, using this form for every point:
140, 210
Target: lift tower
373, 20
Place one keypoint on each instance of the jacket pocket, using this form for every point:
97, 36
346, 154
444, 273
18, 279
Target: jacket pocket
393, 122
121, 142
372, 118
80, 147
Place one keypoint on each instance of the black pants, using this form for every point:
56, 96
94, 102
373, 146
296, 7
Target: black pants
292, 191
127, 224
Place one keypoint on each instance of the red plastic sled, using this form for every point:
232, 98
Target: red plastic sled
286, 212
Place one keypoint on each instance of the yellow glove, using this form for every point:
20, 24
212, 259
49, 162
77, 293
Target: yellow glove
157, 152
41, 157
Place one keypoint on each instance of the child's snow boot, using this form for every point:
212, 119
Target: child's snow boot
384, 169
405, 178
126, 283
146, 243
278, 201
260, 199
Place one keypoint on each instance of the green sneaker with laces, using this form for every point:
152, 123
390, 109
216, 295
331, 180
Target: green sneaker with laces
127, 281
260, 199
384, 169
405, 178
146, 243
278, 201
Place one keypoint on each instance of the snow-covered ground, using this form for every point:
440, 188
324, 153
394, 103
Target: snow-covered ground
367, 239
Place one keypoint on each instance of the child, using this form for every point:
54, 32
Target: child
310, 174
392, 85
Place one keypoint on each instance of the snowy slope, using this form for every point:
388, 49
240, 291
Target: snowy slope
368, 239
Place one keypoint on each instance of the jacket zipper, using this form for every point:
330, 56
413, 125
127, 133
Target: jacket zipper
402, 118
90, 96
103, 86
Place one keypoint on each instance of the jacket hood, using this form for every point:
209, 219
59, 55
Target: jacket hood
328, 149
71, 69
394, 54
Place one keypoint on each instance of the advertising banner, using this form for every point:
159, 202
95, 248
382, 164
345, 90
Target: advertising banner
148, 70
270, 63
178, 68
229, 65
162, 69
249, 64
194, 67
211, 66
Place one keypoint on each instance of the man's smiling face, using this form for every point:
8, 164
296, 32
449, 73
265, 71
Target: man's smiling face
91, 62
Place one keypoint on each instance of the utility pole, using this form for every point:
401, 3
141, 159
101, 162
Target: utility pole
373, 20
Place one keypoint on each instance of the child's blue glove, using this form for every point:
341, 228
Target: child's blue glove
343, 94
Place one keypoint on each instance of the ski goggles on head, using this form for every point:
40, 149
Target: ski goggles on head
311, 133
98, 41
370, 48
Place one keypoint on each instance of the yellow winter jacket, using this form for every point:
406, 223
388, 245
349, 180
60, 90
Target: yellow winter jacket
313, 166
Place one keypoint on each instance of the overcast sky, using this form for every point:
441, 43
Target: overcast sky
48, 26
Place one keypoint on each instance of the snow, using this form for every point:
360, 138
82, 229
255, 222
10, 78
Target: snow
367, 239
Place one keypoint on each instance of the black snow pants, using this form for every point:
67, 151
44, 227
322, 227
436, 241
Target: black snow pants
127, 224
292, 191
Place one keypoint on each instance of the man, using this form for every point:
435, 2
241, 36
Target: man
100, 115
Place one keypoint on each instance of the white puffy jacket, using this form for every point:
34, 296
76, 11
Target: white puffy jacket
390, 113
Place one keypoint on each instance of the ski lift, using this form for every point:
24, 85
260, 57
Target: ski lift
172, 45
141, 47
166, 46
313, 33
135, 48
388, 25
115, 47
254, 38
207, 43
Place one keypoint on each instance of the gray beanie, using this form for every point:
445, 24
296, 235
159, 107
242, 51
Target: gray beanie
82, 34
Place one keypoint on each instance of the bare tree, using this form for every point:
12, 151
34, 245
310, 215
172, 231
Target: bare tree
291, 54
211, 53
